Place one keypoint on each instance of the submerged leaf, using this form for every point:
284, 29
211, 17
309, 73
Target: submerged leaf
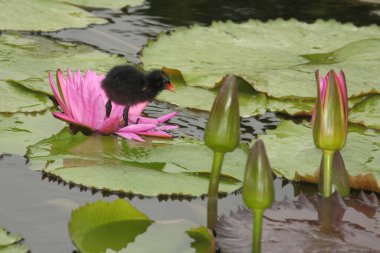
293, 155
178, 167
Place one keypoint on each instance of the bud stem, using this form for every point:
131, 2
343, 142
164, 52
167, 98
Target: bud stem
328, 158
212, 205
257, 230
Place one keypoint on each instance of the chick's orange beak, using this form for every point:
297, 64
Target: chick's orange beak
171, 87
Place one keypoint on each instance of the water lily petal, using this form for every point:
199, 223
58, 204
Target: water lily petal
140, 119
166, 117
156, 134
130, 136
137, 109
136, 128
69, 120
110, 125
56, 93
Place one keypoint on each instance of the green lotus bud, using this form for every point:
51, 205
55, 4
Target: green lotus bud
222, 133
258, 188
330, 114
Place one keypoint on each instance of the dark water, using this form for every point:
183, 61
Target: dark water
40, 210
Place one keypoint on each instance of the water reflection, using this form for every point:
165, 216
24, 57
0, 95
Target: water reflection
309, 224
192, 122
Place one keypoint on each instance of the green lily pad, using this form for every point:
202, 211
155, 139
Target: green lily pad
41, 15
9, 243
114, 4
292, 154
204, 241
278, 57
99, 226
166, 236
251, 102
17, 131
16, 98
178, 167
26, 60
367, 112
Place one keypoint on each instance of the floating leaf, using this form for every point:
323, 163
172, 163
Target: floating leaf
367, 112
16, 98
99, 226
251, 102
17, 131
293, 155
203, 240
41, 15
180, 167
166, 236
278, 57
114, 4
9, 243
26, 60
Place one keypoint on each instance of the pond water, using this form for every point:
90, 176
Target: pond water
40, 210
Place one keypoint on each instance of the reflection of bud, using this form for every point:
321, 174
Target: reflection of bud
258, 189
330, 113
222, 133
340, 177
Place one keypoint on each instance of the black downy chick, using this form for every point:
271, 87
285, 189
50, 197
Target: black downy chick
125, 85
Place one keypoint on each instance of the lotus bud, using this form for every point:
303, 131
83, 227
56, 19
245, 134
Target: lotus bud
330, 113
258, 189
222, 133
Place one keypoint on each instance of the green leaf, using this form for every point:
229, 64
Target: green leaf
251, 102
278, 57
166, 236
9, 243
367, 112
25, 60
99, 226
42, 15
114, 4
17, 131
203, 239
293, 155
179, 167
16, 98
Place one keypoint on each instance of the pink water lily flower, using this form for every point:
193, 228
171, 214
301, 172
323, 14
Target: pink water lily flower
82, 103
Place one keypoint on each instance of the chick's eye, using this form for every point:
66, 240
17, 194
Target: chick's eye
165, 81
